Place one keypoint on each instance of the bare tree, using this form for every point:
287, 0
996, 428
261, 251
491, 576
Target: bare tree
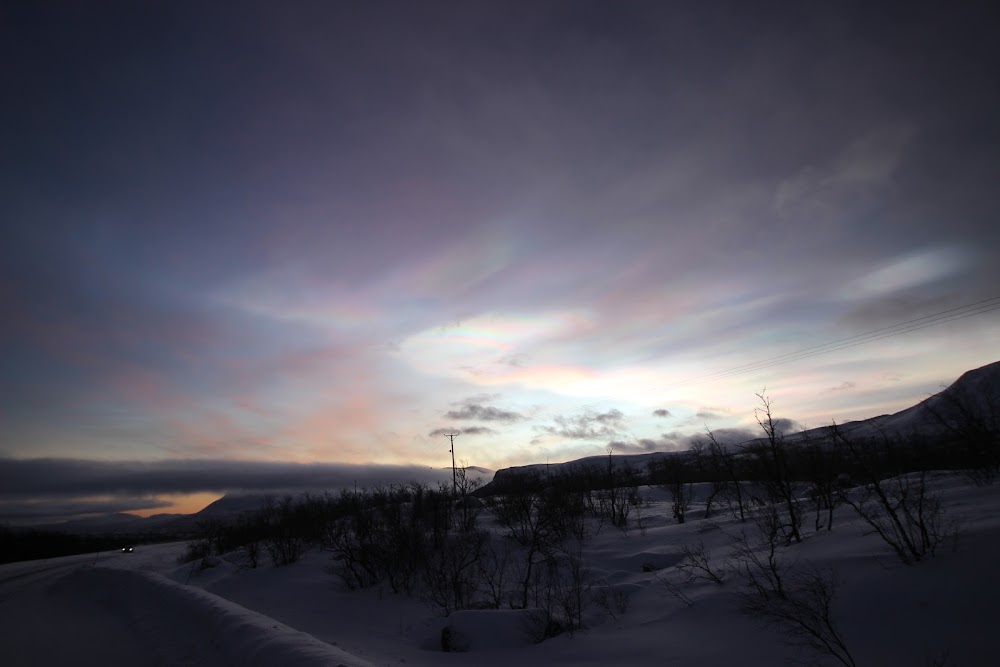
755, 558
773, 469
672, 475
821, 467
566, 577
468, 504
896, 505
532, 522
674, 590
697, 564
497, 572
707, 469
612, 600
724, 461
451, 576
803, 613
284, 542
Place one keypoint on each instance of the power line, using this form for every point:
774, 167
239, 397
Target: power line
852, 341
941, 317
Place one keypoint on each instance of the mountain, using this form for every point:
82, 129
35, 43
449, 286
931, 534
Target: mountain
588, 465
972, 402
121, 522
232, 504
974, 398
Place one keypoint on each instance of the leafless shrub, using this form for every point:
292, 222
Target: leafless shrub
612, 600
352, 548
755, 558
468, 506
900, 508
570, 588
771, 466
674, 590
697, 564
541, 522
284, 543
905, 515
940, 659
249, 556
802, 613
550, 590
497, 573
795, 602
727, 477
821, 467
451, 578
616, 495
538, 625
672, 475
195, 550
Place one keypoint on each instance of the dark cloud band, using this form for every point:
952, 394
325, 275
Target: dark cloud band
25, 479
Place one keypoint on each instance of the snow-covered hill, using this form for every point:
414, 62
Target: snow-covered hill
974, 398
142, 608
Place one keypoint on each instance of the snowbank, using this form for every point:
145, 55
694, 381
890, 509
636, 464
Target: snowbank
491, 629
186, 624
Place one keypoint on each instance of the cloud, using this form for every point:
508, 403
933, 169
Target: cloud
661, 412
785, 426
861, 168
484, 413
21, 511
516, 360
843, 386
588, 426
907, 272
467, 430
29, 479
709, 413
640, 446
675, 441
678, 440
478, 430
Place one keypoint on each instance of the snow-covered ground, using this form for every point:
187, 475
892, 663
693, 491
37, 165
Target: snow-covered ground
142, 608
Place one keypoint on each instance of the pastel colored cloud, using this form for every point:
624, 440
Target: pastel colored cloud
908, 272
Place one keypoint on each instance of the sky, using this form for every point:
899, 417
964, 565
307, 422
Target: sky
271, 234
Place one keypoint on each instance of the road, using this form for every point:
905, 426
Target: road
43, 622
66, 611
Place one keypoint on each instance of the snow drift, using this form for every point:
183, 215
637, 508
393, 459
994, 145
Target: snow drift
187, 625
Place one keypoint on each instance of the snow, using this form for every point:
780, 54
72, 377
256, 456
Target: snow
142, 608
491, 629
120, 612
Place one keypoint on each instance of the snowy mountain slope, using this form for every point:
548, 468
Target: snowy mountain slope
973, 398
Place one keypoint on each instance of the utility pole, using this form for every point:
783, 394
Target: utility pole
454, 482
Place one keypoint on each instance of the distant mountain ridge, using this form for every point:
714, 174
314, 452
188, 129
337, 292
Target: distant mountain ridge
228, 506
975, 395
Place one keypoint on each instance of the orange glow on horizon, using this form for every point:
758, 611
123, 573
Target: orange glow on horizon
181, 503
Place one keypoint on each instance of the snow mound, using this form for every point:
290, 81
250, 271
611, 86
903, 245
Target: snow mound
492, 629
189, 624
